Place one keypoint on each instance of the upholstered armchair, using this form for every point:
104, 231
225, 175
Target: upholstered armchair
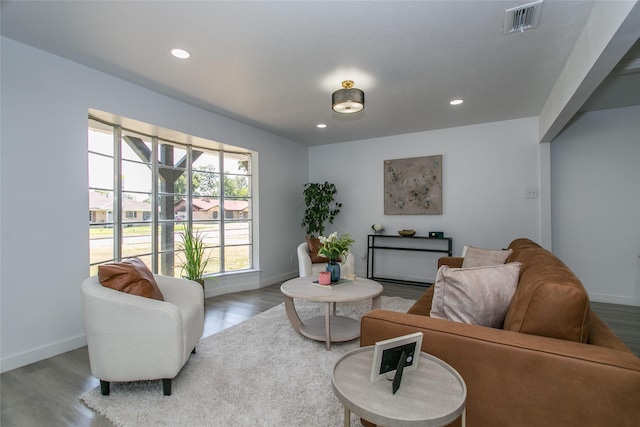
132, 338
307, 268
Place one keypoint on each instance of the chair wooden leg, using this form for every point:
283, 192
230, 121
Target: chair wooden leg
105, 388
166, 386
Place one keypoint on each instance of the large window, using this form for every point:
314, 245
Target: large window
144, 191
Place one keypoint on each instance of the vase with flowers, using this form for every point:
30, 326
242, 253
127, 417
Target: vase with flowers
335, 247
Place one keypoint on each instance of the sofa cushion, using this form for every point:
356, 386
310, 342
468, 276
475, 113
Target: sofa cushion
477, 295
550, 300
478, 257
422, 306
131, 276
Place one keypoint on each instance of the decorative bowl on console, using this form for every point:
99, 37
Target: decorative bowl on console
406, 233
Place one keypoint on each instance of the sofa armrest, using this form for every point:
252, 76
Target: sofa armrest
519, 379
188, 296
175, 289
422, 306
601, 334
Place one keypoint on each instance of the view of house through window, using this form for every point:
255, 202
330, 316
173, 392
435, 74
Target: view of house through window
144, 191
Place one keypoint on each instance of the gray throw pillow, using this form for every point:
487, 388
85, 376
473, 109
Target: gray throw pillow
477, 257
477, 296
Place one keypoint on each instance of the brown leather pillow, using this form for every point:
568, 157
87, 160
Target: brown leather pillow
314, 246
131, 276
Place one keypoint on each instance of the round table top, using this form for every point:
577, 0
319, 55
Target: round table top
359, 289
433, 395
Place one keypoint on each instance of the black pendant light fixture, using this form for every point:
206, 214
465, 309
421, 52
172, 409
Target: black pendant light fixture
347, 100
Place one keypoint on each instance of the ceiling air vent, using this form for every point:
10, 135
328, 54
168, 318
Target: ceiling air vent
522, 17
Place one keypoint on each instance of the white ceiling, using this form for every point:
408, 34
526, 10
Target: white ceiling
274, 64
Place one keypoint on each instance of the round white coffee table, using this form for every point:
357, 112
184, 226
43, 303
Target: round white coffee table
328, 328
433, 395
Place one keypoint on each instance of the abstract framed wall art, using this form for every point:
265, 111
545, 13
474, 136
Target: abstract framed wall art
413, 186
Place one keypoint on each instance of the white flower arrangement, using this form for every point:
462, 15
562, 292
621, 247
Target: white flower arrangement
335, 246
377, 227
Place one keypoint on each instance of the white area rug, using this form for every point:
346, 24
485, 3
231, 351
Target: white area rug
257, 373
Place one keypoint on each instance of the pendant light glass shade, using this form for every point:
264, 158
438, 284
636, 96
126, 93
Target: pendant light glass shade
347, 100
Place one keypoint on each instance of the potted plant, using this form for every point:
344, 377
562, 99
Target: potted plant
333, 248
320, 207
193, 247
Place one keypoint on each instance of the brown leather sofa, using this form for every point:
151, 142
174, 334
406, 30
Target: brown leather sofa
554, 363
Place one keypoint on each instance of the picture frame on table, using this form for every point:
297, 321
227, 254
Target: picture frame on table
387, 355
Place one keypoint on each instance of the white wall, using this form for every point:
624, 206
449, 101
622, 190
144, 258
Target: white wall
43, 225
595, 175
486, 171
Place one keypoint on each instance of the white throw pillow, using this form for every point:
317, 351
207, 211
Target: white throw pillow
477, 296
477, 257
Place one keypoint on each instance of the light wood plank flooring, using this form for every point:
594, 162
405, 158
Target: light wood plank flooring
46, 392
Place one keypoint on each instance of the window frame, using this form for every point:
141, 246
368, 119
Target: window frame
160, 252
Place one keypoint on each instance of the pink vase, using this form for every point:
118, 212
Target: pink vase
324, 278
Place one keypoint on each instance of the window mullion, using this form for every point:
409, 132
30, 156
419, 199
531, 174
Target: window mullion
117, 194
189, 207
222, 212
154, 205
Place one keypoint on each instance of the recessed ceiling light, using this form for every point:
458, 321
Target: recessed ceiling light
321, 125
456, 101
180, 53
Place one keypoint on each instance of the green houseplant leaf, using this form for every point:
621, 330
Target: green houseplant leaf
193, 250
334, 246
320, 207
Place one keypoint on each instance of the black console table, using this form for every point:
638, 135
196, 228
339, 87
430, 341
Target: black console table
397, 243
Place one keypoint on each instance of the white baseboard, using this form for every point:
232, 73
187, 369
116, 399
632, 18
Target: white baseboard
278, 279
241, 281
614, 299
229, 283
41, 353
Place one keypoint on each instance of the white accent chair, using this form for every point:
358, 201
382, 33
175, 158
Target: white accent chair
307, 268
132, 338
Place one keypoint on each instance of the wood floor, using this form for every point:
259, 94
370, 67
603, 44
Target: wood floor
46, 392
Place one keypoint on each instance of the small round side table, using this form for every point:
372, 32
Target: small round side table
433, 395
328, 328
